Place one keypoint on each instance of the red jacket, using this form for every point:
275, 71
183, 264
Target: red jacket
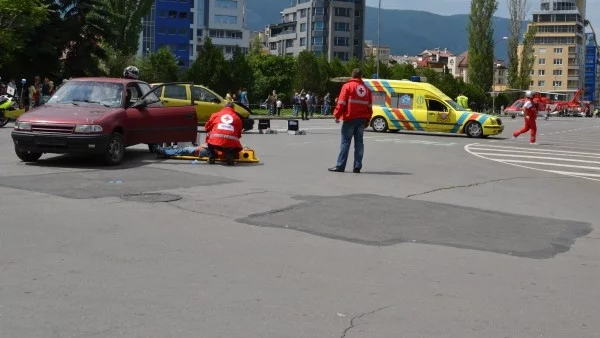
355, 101
224, 129
531, 111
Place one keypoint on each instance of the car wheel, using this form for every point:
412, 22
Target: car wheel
28, 156
3, 120
379, 124
474, 129
115, 150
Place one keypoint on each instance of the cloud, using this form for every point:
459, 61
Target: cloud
451, 7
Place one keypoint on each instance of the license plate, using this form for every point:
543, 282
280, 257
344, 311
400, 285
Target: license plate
51, 141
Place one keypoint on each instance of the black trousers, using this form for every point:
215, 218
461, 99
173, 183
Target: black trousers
229, 152
304, 112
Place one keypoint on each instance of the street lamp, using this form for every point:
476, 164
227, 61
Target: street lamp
494, 67
378, 37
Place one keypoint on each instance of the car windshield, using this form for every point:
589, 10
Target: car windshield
455, 105
89, 92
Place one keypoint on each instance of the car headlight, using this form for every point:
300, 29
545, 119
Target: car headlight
88, 128
25, 126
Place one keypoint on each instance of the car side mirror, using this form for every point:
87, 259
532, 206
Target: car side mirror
140, 104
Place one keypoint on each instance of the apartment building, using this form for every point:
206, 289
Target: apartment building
334, 28
559, 47
370, 49
182, 25
591, 91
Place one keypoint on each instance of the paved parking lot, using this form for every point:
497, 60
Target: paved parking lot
441, 236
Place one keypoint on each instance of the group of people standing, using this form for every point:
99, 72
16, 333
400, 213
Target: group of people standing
308, 103
35, 94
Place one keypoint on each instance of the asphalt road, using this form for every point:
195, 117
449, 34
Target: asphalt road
440, 236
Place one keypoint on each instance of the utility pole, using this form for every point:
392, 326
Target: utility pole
378, 37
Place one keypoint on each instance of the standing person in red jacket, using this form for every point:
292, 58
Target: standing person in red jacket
530, 112
224, 131
355, 108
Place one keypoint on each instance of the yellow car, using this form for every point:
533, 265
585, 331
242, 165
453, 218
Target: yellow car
206, 101
419, 106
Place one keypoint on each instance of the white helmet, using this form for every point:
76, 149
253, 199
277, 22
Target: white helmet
131, 72
529, 94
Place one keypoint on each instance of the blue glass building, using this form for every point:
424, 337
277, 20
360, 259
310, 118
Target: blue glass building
590, 92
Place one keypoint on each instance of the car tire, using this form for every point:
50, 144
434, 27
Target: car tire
115, 149
474, 129
379, 124
28, 156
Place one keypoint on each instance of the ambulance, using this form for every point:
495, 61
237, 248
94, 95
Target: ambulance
415, 105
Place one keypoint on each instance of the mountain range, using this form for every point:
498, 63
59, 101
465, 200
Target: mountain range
406, 32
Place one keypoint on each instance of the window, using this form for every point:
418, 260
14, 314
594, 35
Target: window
182, 15
303, 27
177, 92
173, 14
183, 31
226, 3
435, 105
343, 56
226, 19
558, 61
273, 45
558, 50
338, 41
556, 83
317, 41
342, 26
402, 101
542, 50
182, 47
318, 25
303, 13
162, 14
345, 12
203, 95
542, 61
531, 83
379, 98
541, 83
318, 11
357, 13
172, 30
541, 72
532, 72
289, 43
356, 26
162, 30
302, 41
132, 94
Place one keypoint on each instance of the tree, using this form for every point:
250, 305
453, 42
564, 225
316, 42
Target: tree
87, 27
210, 68
241, 70
337, 69
481, 43
18, 18
271, 72
517, 11
402, 71
158, 67
352, 64
256, 46
324, 74
527, 59
126, 20
306, 72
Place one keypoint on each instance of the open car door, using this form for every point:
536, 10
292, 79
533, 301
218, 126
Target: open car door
163, 124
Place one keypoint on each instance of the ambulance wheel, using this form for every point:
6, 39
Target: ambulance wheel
379, 124
474, 129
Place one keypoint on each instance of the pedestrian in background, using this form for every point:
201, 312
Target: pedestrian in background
530, 112
354, 108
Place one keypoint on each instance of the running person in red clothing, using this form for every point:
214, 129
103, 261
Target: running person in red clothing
530, 112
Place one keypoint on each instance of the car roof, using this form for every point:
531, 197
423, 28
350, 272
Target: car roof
105, 79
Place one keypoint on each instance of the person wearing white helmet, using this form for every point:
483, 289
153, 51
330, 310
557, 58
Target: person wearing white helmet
131, 72
530, 112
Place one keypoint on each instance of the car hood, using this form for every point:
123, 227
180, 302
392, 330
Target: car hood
64, 113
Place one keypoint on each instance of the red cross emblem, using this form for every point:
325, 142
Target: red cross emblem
227, 119
361, 91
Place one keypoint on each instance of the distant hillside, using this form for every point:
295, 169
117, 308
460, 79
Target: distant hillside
406, 32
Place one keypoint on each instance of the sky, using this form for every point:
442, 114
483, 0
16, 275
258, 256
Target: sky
451, 7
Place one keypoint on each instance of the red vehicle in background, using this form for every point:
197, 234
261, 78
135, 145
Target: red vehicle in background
544, 102
101, 116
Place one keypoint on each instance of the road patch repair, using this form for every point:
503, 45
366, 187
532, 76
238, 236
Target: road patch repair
384, 221
103, 183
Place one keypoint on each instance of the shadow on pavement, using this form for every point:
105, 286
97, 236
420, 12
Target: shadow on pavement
134, 158
384, 173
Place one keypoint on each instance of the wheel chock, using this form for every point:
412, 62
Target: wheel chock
244, 156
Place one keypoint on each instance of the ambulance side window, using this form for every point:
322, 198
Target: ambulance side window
379, 98
403, 100
435, 105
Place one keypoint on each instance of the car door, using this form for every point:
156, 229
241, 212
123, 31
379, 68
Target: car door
159, 123
207, 103
440, 117
174, 95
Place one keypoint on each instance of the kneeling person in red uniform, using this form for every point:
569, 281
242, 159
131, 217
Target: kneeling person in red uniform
224, 130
